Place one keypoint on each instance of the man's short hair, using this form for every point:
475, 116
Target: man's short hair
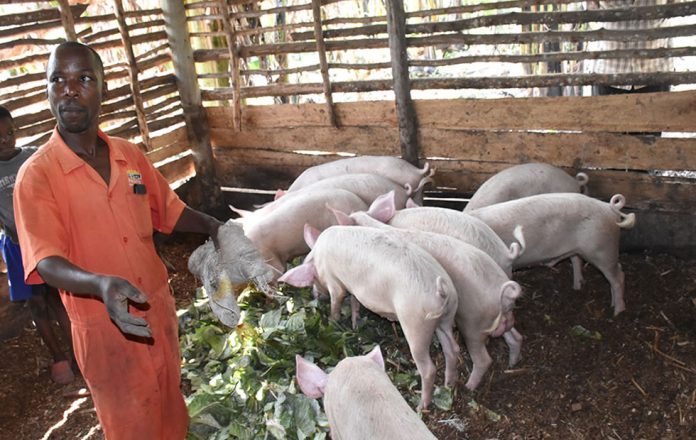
95, 55
5, 113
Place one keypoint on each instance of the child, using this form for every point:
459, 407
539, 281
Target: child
42, 299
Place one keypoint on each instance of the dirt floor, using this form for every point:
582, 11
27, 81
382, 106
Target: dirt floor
630, 377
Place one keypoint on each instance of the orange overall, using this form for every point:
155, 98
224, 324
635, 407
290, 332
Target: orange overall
64, 208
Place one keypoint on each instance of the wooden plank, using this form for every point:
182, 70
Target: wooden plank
174, 136
52, 14
673, 111
366, 113
235, 78
368, 140
642, 191
168, 151
179, 169
323, 63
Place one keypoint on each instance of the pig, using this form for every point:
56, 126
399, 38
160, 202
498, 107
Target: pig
525, 180
453, 223
360, 400
393, 168
392, 278
278, 234
560, 225
486, 295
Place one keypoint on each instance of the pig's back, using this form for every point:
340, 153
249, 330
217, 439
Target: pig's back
554, 224
362, 403
364, 185
371, 264
455, 224
522, 181
393, 168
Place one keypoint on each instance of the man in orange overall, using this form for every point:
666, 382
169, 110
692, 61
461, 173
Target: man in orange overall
86, 205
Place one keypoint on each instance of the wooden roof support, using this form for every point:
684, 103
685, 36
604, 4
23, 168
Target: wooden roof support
210, 196
324, 65
68, 20
235, 77
132, 74
406, 114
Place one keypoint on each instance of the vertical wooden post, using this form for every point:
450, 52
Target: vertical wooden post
235, 77
67, 19
406, 113
190, 94
132, 74
324, 65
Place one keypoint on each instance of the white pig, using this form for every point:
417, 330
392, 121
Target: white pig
279, 234
393, 168
392, 278
561, 225
525, 180
360, 401
486, 295
453, 223
367, 186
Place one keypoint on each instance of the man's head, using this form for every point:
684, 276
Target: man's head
7, 131
76, 86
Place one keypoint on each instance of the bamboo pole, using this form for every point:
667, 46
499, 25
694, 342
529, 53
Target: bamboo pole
210, 197
68, 20
321, 49
406, 114
235, 77
132, 73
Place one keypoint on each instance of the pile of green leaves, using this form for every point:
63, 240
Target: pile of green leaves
242, 380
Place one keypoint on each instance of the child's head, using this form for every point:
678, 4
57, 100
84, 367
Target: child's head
7, 130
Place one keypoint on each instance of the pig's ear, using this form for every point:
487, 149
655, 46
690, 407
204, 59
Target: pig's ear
509, 292
383, 208
411, 204
376, 356
311, 379
311, 234
278, 194
342, 218
300, 276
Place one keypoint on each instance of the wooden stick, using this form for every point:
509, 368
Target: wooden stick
235, 77
642, 391
67, 19
132, 73
321, 50
42, 15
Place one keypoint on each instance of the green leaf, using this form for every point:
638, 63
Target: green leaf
442, 398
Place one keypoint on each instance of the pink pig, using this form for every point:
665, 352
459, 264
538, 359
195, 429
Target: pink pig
279, 233
393, 168
392, 278
486, 294
561, 225
453, 223
360, 401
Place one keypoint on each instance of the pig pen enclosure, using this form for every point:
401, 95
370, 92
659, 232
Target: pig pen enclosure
233, 99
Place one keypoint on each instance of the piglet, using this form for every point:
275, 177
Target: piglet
453, 223
279, 233
360, 401
393, 168
392, 278
561, 225
525, 180
486, 295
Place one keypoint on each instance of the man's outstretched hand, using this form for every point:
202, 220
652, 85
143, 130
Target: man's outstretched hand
116, 292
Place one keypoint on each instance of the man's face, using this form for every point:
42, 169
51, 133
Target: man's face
74, 88
7, 135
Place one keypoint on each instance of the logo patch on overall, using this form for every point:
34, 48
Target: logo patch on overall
134, 177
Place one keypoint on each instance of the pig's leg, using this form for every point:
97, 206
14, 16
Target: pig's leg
606, 259
337, 294
513, 339
577, 272
354, 311
476, 345
419, 336
450, 348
